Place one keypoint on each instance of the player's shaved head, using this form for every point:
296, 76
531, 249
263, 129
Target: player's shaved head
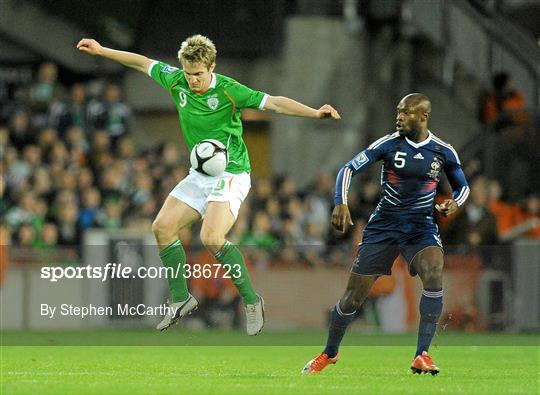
418, 101
412, 115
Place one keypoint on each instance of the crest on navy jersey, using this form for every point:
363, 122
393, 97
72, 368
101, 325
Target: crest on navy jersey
359, 161
435, 168
212, 102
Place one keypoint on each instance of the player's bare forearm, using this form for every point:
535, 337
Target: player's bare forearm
129, 59
287, 106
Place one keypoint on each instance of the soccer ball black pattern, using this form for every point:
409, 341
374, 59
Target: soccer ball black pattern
209, 157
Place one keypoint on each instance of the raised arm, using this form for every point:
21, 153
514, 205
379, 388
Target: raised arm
286, 106
129, 59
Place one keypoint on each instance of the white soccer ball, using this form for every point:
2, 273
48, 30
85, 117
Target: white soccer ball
209, 157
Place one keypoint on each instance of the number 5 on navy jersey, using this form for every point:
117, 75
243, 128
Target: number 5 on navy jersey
399, 159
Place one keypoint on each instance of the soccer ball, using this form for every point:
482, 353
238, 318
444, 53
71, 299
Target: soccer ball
209, 157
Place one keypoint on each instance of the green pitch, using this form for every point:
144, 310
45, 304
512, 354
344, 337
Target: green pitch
512, 368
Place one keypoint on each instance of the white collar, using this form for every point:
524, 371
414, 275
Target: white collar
213, 81
421, 143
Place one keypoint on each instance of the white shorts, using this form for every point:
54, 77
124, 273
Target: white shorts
196, 190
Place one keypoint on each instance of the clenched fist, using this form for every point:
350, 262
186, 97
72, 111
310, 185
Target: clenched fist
90, 46
341, 218
327, 111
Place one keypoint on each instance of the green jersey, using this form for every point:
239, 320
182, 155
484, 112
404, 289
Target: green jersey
214, 114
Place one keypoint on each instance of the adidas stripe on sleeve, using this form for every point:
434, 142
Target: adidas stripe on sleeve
362, 160
456, 177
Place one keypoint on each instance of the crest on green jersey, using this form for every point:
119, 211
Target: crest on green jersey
212, 102
220, 185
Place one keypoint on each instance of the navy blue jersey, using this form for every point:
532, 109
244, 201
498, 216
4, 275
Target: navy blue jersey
410, 174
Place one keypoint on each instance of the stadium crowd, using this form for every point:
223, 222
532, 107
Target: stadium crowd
70, 164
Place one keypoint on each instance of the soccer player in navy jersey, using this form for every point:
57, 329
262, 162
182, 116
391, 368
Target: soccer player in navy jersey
402, 223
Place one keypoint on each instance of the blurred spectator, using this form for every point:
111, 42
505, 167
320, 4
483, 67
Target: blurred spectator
317, 212
475, 226
32, 156
294, 209
65, 196
111, 216
85, 179
530, 213
126, 150
91, 201
504, 105
59, 154
71, 112
20, 132
23, 213
291, 234
526, 221
273, 209
170, 156
100, 151
110, 182
68, 180
142, 191
68, 230
260, 234
312, 245
286, 189
46, 140
262, 191
18, 172
504, 212
78, 146
42, 185
43, 92
111, 114
48, 236
40, 216
26, 235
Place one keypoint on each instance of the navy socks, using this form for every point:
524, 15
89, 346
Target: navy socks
338, 324
430, 310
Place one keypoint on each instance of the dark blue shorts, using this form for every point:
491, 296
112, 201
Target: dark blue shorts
385, 238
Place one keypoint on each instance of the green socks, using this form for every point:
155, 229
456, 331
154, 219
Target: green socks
232, 261
173, 258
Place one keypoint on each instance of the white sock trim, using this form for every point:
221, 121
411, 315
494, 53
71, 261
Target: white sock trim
432, 294
341, 313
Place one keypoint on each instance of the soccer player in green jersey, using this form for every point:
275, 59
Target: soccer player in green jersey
209, 107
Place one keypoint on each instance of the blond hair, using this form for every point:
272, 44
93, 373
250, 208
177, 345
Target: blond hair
198, 49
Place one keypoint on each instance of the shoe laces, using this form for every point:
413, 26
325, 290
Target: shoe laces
427, 359
320, 362
250, 310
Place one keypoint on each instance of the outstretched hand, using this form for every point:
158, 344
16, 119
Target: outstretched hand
90, 46
341, 218
446, 208
327, 111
